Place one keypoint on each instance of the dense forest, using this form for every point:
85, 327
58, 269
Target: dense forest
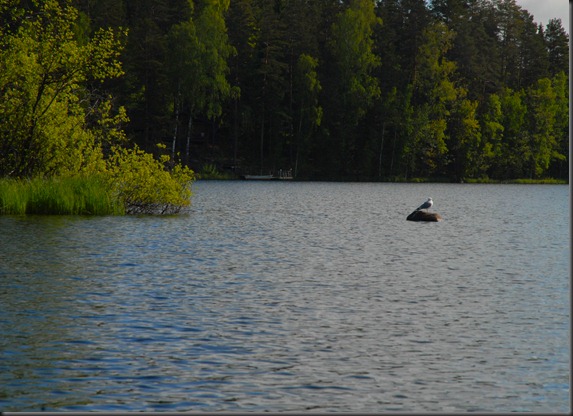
336, 89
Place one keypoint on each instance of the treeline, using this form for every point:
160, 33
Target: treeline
341, 89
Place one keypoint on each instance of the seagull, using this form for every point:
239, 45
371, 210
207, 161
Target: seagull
426, 205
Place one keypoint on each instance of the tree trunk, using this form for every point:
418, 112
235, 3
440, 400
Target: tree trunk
393, 151
381, 148
189, 132
235, 133
176, 104
262, 137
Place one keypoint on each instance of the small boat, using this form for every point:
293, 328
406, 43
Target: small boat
282, 175
258, 177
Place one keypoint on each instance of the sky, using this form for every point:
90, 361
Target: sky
543, 10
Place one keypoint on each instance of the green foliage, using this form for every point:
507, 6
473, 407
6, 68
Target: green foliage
13, 197
434, 97
56, 124
492, 129
548, 181
560, 164
332, 89
543, 144
44, 128
307, 89
515, 146
557, 42
308, 86
352, 86
210, 171
351, 46
466, 140
134, 183
145, 185
199, 68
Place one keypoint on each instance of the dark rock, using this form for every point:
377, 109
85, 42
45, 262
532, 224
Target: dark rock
424, 216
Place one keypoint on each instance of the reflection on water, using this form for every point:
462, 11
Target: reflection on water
293, 296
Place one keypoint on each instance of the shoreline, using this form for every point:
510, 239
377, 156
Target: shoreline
548, 181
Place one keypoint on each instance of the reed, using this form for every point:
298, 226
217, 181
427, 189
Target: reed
59, 196
549, 181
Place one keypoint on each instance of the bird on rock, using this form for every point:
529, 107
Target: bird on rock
426, 205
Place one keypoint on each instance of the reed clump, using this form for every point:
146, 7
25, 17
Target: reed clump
58, 196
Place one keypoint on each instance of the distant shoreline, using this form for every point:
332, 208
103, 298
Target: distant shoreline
548, 181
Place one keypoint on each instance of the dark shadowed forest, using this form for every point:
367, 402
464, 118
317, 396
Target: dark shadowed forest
334, 89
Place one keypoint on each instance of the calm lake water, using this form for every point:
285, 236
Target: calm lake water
287, 296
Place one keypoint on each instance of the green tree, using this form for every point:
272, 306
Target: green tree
492, 131
475, 45
409, 18
355, 61
243, 35
268, 90
145, 88
199, 68
534, 62
53, 125
309, 115
354, 86
557, 42
399, 123
303, 20
388, 120
400, 98
510, 29
515, 147
467, 148
521, 44
103, 13
45, 107
434, 96
542, 103
560, 167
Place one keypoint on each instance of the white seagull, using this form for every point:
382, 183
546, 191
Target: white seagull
426, 205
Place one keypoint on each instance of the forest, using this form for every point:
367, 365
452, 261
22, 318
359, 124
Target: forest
452, 90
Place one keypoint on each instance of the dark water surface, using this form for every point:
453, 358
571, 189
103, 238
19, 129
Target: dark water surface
293, 296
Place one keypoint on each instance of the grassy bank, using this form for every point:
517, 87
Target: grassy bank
548, 181
58, 196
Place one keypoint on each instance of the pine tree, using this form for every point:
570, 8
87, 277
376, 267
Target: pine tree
557, 43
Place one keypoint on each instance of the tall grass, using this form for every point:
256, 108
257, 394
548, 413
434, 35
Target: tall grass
549, 181
60, 196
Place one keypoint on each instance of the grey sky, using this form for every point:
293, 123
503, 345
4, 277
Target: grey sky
544, 10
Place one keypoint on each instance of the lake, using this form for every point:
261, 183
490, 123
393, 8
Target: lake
288, 296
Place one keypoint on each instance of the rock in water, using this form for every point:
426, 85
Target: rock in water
424, 216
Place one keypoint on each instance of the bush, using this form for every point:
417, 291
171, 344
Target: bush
135, 182
146, 185
210, 171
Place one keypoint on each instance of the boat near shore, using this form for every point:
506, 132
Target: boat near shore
282, 175
258, 177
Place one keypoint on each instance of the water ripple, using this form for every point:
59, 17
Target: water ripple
292, 297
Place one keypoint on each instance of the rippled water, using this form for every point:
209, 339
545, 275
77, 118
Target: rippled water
293, 296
